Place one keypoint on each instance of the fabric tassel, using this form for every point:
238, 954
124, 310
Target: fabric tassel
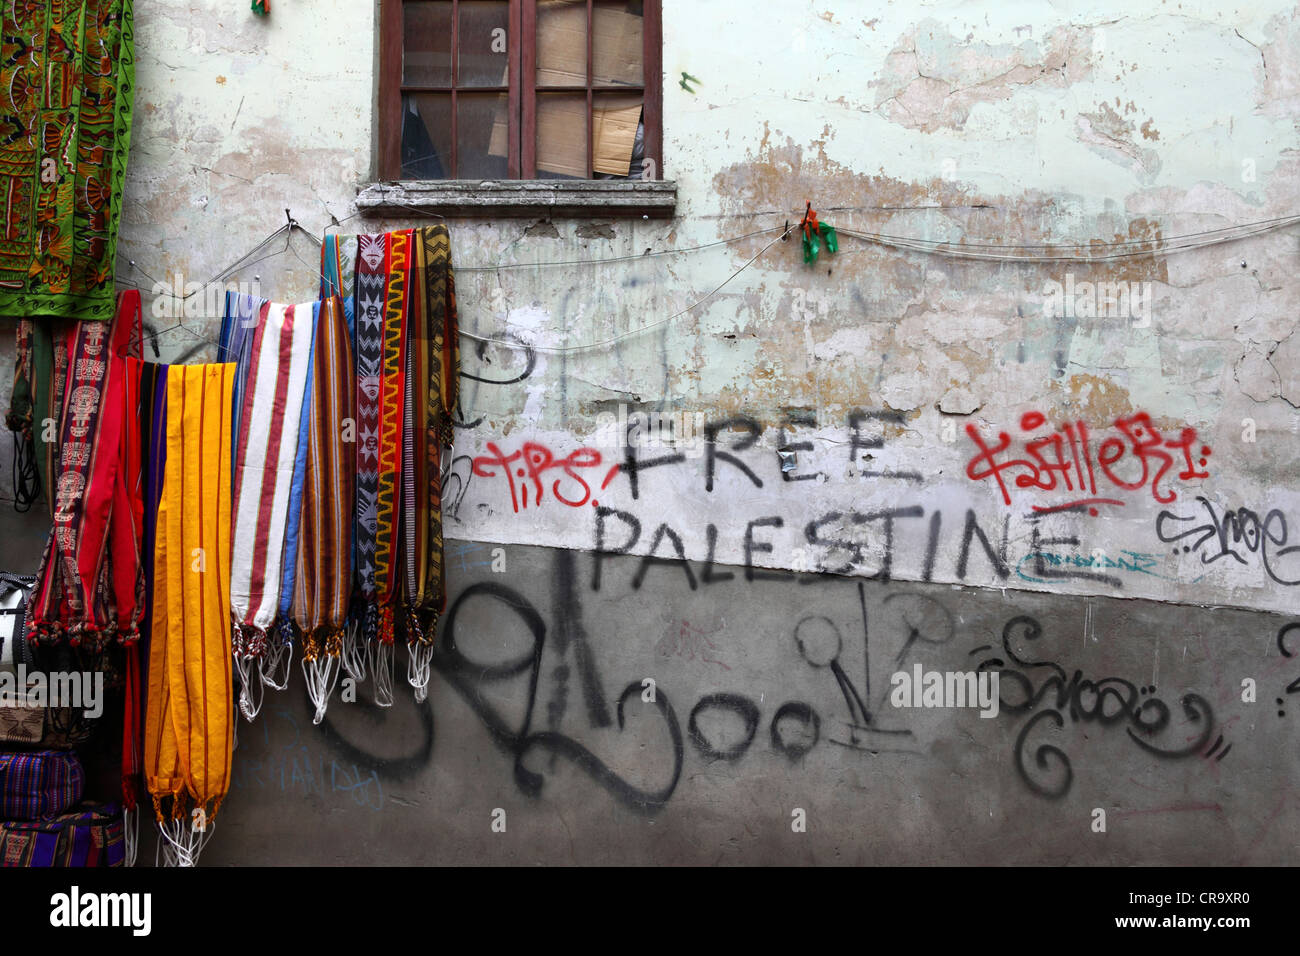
356, 647
320, 668
182, 836
131, 833
249, 644
274, 665
383, 668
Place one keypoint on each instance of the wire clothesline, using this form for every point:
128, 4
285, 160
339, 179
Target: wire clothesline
1120, 249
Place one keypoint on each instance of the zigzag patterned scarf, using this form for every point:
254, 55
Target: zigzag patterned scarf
393, 449
324, 539
264, 464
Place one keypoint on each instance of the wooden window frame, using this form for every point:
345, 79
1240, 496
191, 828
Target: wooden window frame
521, 94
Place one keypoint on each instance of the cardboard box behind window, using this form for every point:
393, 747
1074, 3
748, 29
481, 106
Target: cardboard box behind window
562, 46
562, 119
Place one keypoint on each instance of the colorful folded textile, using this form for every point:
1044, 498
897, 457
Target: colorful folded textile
39, 783
90, 836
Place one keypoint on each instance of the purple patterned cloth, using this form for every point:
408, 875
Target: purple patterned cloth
39, 783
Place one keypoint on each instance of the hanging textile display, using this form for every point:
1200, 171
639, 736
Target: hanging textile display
265, 455
433, 371
91, 583
323, 583
407, 368
68, 75
189, 719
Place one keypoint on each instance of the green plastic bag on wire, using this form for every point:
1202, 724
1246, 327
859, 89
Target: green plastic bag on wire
813, 240
814, 234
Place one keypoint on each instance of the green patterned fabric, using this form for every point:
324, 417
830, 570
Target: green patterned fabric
67, 78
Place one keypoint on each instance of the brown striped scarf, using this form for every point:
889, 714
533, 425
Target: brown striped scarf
323, 582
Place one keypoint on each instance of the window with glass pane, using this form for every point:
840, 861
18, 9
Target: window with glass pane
522, 89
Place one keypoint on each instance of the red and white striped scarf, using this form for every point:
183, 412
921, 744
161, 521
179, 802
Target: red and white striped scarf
272, 403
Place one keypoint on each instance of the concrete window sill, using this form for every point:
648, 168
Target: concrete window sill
548, 198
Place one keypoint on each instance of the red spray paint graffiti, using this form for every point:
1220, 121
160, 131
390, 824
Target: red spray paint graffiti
1065, 460
534, 460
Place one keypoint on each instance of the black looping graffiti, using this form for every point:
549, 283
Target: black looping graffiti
742, 706
807, 717
638, 799
530, 361
375, 717
467, 676
1107, 701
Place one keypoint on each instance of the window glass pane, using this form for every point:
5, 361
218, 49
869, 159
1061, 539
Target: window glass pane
476, 157
426, 44
562, 43
614, 124
483, 36
616, 47
562, 135
426, 135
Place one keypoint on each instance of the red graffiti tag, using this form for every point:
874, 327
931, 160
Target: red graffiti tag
1065, 460
689, 642
531, 462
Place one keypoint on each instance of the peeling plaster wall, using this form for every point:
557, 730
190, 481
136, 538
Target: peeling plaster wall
938, 122
978, 124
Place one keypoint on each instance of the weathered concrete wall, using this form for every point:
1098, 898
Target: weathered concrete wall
757, 714
938, 121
